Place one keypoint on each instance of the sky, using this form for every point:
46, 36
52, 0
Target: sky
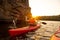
44, 7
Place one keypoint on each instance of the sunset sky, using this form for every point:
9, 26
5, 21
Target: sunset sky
44, 7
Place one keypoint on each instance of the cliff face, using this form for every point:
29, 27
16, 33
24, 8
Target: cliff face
11, 9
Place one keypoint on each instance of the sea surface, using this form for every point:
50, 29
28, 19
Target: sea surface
45, 31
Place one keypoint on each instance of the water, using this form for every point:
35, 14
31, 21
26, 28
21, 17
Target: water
44, 32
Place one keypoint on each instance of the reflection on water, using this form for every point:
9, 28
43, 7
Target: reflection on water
45, 32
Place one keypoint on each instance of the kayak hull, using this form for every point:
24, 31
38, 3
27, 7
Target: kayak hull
23, 30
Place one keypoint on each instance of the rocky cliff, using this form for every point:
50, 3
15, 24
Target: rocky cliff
11, 9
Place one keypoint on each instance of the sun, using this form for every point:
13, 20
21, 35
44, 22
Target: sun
44, 7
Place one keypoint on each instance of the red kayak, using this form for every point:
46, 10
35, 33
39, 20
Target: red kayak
23, 30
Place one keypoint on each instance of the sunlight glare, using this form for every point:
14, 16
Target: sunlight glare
45, 7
